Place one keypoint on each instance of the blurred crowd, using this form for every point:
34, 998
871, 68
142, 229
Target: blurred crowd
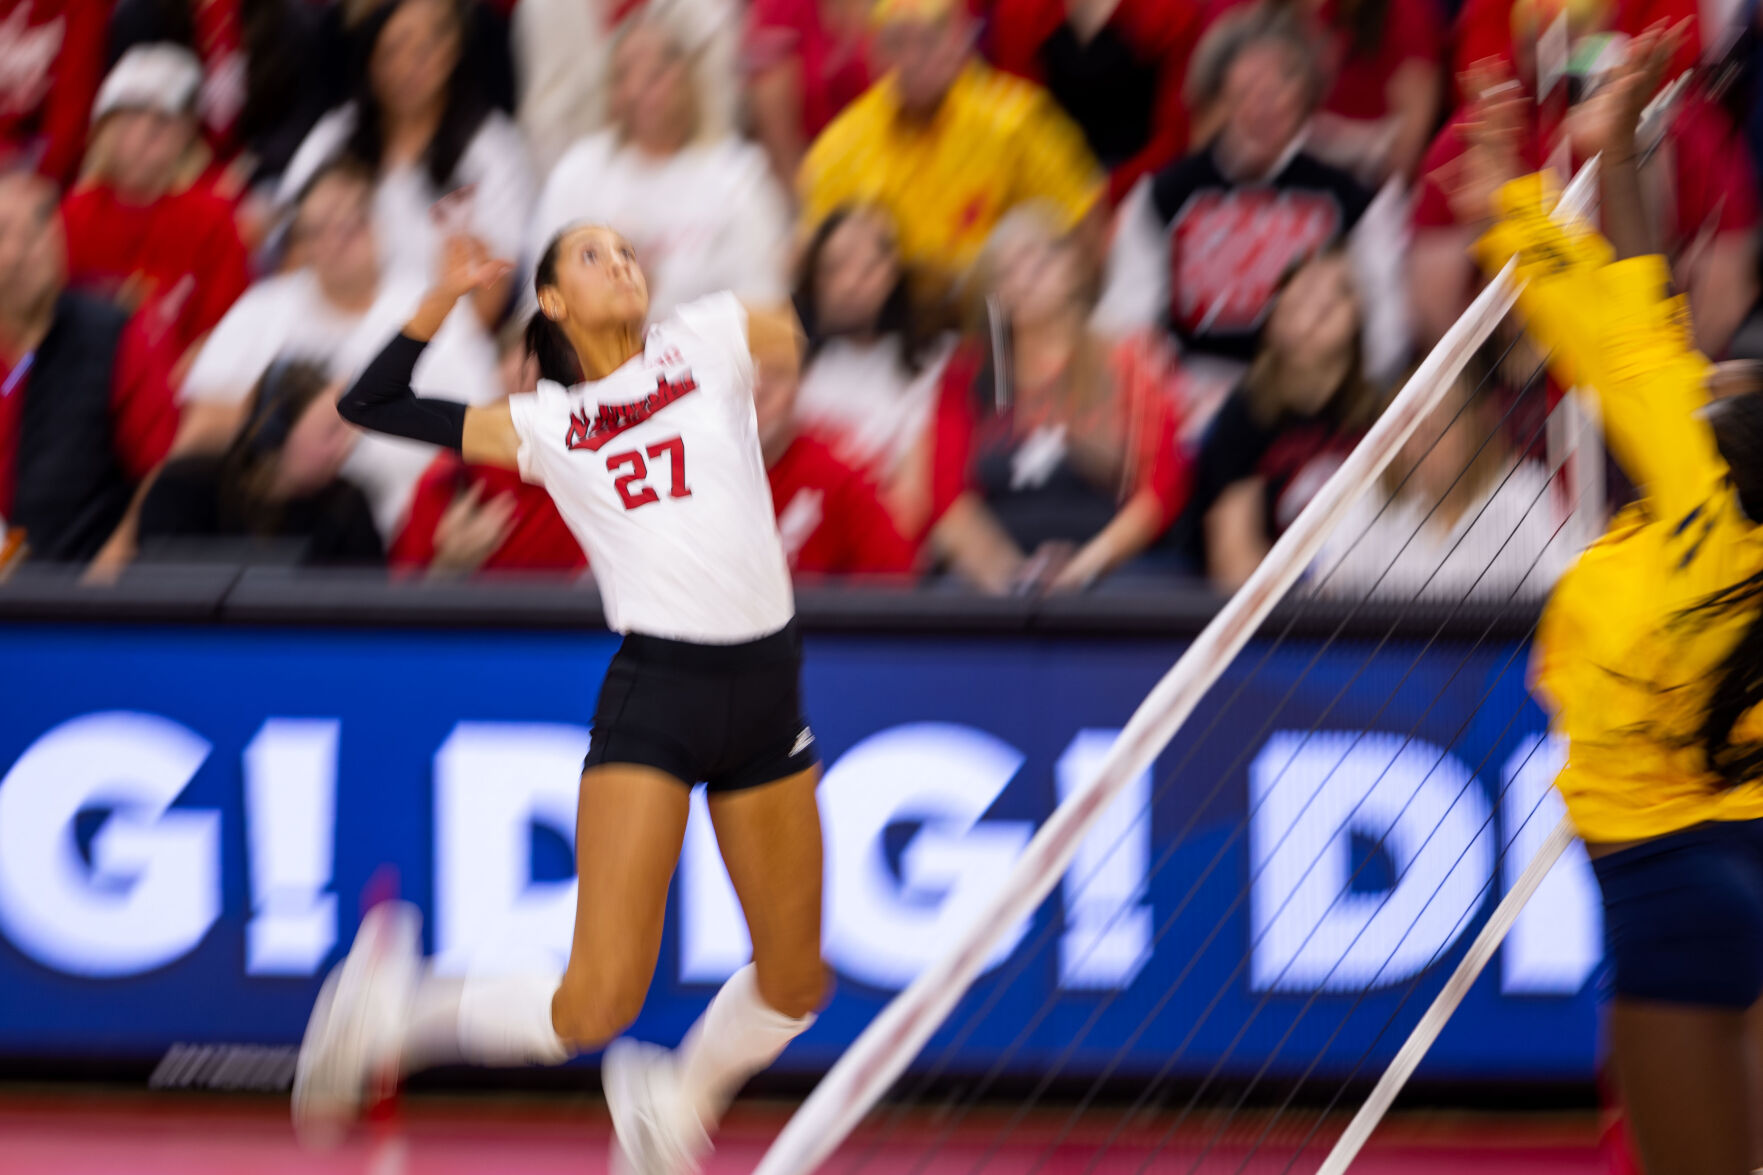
1094, 290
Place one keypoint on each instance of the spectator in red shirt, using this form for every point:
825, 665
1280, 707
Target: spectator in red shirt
467, 518
133, 234
54, 55
1704, 204
212, 30
86, 412
828, 514
805, 60
263, 75
1116, 66
1386, 59
1056, 459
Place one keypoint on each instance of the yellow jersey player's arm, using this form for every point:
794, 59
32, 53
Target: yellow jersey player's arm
1613, 331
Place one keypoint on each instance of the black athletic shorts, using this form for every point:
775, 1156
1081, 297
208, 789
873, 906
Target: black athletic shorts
728, 716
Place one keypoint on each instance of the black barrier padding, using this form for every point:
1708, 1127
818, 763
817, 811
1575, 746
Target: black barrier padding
282, 596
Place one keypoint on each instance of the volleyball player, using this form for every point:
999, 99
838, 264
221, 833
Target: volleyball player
1650, 654
646, 439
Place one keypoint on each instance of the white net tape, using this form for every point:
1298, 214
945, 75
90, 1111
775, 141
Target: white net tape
1286, 838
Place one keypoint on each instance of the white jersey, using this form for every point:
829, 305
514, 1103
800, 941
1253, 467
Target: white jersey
658, 473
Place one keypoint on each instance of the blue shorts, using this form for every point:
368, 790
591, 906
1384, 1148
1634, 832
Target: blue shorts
1683, 916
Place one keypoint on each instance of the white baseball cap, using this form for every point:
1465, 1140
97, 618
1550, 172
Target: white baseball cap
162, 77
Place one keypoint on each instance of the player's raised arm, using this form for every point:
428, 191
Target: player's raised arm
774, 331
382, 400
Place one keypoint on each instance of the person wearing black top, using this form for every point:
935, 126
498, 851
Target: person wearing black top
1296, 414
274, 493
1203, 245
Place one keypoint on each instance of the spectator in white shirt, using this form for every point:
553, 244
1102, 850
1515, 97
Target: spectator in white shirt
873, 366
337, 311
700, 206
421, 126
1458, 515
563, 51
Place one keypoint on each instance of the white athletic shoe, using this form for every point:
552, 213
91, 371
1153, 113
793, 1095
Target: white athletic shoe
354, 1039
658, 1132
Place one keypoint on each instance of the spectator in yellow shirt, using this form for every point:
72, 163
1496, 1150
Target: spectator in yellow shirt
949, 146
1650, 655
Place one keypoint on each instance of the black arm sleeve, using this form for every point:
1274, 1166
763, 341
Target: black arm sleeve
382, 401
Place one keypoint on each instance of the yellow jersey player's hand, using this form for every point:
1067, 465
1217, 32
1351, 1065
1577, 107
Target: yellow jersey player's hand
1558, 273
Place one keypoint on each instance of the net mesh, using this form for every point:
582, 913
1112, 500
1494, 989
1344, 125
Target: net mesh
1278, 902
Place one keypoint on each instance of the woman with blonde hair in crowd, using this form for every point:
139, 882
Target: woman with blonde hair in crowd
699, 203
1056, 459
563, 52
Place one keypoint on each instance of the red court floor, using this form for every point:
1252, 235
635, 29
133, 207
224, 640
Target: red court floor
62, 1132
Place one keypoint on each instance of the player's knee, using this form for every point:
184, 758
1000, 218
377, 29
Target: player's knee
588, 1015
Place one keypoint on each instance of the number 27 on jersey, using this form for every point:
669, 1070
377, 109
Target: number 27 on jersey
630, 471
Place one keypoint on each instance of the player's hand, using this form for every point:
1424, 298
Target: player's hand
466, 266
471, 529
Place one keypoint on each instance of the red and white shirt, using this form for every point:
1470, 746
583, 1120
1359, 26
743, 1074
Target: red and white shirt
51, 61
657, 470
179, 258
537, 539
829, 517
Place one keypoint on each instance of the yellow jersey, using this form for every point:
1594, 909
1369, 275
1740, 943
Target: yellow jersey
995, 143
1620, 657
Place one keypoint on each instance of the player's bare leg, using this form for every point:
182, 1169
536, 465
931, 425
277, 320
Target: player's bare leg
666, 1104
1686, 1084
382, 1014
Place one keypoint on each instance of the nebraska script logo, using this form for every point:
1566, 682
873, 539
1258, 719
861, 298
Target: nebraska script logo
1232, 249
612, 419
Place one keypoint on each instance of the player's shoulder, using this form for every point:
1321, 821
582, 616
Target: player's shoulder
719, 319
546, 414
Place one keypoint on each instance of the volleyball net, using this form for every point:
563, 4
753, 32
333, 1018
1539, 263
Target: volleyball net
1319, 891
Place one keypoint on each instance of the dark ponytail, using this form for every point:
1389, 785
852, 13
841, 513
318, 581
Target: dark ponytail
545, 340
1738, 689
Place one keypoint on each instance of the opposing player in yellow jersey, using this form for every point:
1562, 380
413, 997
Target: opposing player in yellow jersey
1650, 654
